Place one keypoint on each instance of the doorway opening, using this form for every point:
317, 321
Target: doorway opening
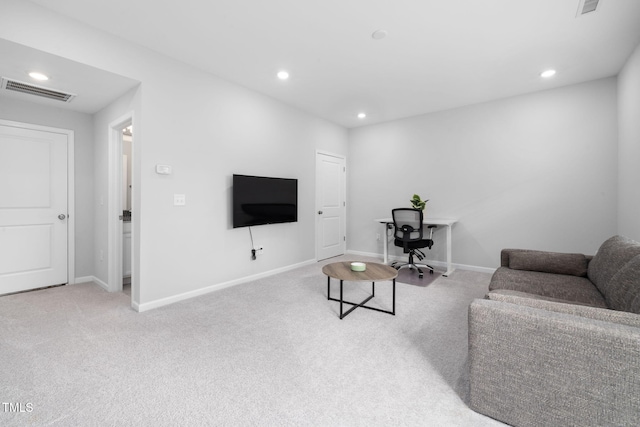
127, 152
121, 223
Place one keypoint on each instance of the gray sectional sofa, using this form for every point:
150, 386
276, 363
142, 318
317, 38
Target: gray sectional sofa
556, 341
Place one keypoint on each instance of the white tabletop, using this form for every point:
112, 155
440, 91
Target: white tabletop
429, 221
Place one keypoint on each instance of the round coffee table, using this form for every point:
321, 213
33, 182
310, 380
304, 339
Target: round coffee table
374, 272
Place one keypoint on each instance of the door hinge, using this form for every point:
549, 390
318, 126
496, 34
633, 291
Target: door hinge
344, 238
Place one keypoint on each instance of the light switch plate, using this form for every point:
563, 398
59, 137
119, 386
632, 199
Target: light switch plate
179, 200
163, 169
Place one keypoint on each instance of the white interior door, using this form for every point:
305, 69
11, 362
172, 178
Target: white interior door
33, 208
331, 205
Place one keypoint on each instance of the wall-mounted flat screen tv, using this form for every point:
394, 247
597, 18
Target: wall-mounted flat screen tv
261, 200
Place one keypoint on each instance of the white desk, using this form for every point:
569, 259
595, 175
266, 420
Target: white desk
448, 223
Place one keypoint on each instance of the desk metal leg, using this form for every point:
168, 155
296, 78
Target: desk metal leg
385, 244
449, 266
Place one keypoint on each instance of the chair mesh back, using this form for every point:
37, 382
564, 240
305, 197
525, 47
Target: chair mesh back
410, 217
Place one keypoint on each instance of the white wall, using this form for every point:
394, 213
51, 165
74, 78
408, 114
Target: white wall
534, 171
127, 104
82, 125
206, 129
629, 147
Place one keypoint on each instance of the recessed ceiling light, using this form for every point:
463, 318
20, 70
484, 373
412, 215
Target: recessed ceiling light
379, 34
548, 73
361, 115
38, 76
283, 75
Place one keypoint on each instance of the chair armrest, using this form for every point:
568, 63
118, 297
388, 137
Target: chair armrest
532, 366
546, 262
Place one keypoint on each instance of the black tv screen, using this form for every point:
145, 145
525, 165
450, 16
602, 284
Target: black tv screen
261, 200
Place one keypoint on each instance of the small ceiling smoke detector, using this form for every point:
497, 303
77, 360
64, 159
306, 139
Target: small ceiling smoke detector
379, 34
587, 6
31, 89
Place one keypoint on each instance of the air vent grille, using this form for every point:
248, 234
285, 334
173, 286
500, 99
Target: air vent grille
587, 6
31, 89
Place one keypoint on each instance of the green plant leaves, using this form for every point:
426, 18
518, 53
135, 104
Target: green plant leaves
417, 203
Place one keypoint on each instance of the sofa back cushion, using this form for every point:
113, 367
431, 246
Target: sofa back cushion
549, 262
624, 288
614, 253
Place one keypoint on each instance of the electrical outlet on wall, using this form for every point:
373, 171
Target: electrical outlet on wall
179, 200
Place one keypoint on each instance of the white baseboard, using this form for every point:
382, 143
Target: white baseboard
198, 292
433, 263
203, 291
367, 254
93, 279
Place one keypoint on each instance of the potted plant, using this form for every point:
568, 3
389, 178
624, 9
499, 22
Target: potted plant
417, 203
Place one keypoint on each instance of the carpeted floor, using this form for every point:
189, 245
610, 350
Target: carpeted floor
411, 277
272, 352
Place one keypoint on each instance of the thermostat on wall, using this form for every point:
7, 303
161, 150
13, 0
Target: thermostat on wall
163, 169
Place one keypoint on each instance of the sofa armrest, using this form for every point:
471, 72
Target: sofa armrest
546, 262
531, 366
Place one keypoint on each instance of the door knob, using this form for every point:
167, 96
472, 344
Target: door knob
319, 212
62, 216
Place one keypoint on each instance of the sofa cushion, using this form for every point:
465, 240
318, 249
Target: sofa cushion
560, 286
613, 254
549, 262
623, 291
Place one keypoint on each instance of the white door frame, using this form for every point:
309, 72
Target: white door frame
71, 213
114, 207
344, 192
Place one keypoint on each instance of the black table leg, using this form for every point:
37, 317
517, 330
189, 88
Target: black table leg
393, 309
341, 316
328, 287
361, 304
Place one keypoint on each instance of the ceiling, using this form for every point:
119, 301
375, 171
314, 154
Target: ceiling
95, 88
437, 55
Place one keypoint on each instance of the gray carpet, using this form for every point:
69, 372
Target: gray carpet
411, 277
267, 353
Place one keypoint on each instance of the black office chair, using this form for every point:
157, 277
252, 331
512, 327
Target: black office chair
407, 234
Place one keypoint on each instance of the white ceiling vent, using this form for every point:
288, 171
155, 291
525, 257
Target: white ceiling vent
31, 89
587, 6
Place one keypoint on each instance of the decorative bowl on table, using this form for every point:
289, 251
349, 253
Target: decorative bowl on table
358, 266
